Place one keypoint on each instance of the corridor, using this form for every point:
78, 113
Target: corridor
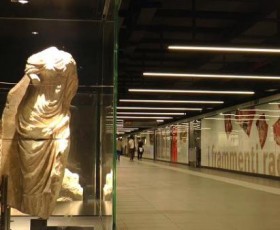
156, 195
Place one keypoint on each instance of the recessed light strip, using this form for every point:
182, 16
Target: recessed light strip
237, 116
240, 119
144, 113
191, 91
261, 110
197, 75
20, 1
158, 108
172, 101
140, 117
224, 49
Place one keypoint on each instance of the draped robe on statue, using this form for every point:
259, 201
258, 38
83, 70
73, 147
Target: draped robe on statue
37, 110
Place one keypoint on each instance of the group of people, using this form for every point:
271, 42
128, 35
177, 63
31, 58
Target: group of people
131, 148
140, 148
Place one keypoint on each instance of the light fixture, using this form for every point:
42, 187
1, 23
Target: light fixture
146, 113
261, 110
239, 119
128, 129
227, 114
198, 75
35, 33
20, 1
224, 49
245, 115
191, 91
158, 108
143, 117
203, 129
274, 103
172, 101
271, 90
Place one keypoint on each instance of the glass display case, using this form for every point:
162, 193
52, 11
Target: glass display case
57, 132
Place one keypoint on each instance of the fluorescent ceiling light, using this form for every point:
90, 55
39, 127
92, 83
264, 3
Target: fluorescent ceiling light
224, 49
197, 75
20, 1
144, 113
274, 103
129, 129
173, 101
157, 108
248, 115
240, 119
140, 117
261, 110
191, 91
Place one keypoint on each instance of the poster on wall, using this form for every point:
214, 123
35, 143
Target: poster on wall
174, 144
245, 119
182, 143
246, 140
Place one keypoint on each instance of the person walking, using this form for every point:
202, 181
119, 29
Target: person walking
119, 148
140, 149
131, 146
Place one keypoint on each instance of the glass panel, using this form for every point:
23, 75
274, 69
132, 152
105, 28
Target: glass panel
148, 139
183, 142
163, 138
87, 189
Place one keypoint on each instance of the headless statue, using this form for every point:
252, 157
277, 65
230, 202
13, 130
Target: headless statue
35, 131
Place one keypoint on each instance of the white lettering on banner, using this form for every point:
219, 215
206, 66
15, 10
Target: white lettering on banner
247, 161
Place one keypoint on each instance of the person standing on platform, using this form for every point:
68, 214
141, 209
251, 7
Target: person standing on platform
131, 146
119, 148
140, 149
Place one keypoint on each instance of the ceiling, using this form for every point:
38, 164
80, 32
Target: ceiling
82, 28
70, 25
148, 27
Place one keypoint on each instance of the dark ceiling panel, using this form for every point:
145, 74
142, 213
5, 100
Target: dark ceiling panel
62, 9
147, 27
198, 22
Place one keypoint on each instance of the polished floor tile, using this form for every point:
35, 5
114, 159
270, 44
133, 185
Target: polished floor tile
157, 195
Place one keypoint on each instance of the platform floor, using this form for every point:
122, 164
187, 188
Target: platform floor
155, 195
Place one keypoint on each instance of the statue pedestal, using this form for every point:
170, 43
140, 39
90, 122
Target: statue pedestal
69, 228
38, 224
41, 224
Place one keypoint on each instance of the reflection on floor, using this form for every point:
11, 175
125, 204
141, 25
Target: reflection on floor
99, 223
74, 213
83, 208
78, 208
154, 195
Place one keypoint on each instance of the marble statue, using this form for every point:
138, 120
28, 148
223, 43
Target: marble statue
108, 187
70, 190
35, 131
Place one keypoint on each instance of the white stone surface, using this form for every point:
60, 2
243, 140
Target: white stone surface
35, 138
70, 190
108, 187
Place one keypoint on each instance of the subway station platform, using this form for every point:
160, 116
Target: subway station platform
157, 195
